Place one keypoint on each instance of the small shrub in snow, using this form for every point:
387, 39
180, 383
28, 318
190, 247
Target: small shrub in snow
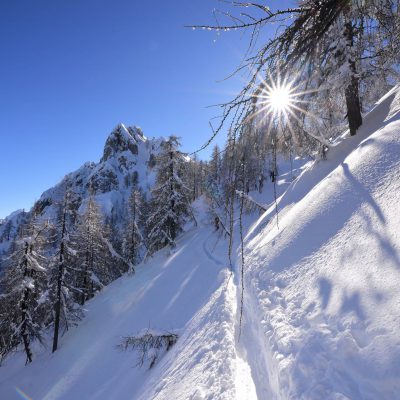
150, 345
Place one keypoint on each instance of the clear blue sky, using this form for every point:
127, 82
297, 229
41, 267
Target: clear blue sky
71, 70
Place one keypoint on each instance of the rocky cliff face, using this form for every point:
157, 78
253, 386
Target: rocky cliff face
128, 161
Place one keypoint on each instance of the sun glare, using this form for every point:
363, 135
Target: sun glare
279, 98
280, 102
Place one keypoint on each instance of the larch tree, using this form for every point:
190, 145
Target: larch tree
321, 49
98, 262
214, 171
90, 238
62, 274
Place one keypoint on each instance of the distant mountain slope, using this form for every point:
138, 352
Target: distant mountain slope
323, 299
128, 159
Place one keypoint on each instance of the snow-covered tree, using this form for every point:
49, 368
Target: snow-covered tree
98, 261
193, 177
63, 275
22, 292
90, 237
6, 232
214, 172
133, 239
325, 49
169, 204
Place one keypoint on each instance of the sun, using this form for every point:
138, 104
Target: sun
279, 98
280, 101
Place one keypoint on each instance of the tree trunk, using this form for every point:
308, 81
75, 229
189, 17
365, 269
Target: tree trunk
353, 107
57, 306
24, 306
85, 280
172, 227
351, 92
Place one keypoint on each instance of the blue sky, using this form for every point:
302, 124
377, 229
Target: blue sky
71, 70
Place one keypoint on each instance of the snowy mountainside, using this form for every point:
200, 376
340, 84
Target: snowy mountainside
321, 296
128, 159
184, 292
9, 227
322, 299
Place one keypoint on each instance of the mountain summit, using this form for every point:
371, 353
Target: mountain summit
128, 161
123, 139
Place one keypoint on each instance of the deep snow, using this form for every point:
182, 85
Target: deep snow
321, 309
322, 298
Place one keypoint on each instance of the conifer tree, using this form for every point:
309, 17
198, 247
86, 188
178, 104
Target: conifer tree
322, 50
133, 240
169, 203
22, 288
214, 172
98, 261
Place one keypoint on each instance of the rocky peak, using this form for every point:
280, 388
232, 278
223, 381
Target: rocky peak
122, 139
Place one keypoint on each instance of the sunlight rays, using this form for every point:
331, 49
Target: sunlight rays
281, 105
281, 99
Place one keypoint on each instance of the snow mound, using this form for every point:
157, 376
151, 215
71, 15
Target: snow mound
323, 288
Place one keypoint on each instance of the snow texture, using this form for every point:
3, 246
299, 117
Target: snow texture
322, 303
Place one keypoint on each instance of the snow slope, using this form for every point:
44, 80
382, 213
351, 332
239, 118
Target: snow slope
322, 290
189, 291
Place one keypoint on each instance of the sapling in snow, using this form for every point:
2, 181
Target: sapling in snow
149, 345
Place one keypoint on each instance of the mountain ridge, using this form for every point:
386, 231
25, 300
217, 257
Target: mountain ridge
128, 160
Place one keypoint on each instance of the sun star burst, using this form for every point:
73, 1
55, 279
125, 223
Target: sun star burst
279, 98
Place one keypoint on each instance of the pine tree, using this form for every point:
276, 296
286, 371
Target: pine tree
192, 176
169, 203
133, 240
22, 290
214, 172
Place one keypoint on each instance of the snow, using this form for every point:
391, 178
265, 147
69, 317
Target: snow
322, 290
182, 292
321, 305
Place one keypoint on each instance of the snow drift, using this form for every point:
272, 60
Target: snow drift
323, 300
